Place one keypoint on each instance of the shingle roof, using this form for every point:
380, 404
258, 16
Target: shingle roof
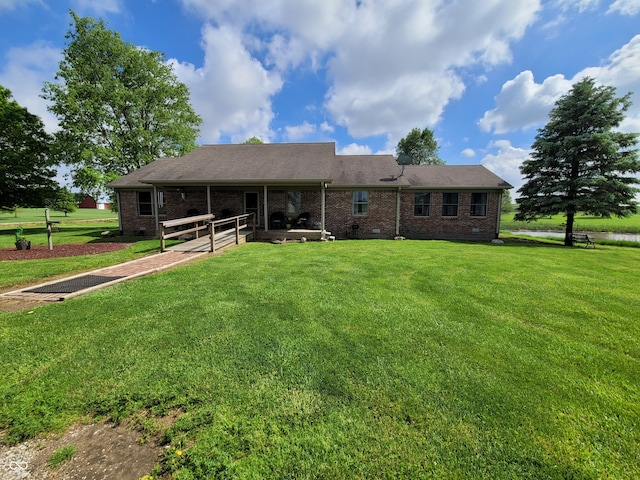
453, 176
281, 163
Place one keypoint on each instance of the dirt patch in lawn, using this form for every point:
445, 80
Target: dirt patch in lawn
102, 451
64, 250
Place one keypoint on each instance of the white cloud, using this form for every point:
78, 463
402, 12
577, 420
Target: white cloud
580, 5
299, 132
522, 103
232, 90
468, 152
506, 162
625, 7
392, 65
25, 71
325, 127
354, 149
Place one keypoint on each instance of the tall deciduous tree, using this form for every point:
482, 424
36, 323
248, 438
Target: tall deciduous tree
419, 148
26, 169
119, 106
580, 162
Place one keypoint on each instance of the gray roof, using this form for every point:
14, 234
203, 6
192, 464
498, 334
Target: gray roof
301, 163
453, 176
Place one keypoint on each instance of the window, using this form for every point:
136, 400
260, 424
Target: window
361, 203
478, 204
449, 204
421, 204
145, 206
294, 203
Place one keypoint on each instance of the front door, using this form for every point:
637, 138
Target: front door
251, 205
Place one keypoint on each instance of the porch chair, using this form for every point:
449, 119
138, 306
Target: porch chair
276, 220
302, 220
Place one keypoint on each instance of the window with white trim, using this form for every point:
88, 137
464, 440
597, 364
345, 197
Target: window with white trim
360, 203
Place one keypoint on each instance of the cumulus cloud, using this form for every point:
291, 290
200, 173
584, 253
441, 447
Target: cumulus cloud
299, 132
25, 70
390, 65
468, 152
354, 149
625, 7
232, 90
506, 161
522, 103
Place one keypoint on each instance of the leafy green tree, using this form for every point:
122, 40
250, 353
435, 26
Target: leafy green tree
507, 202
64, 201
119, 106
580, 162
253, 141
419, 148
26, 168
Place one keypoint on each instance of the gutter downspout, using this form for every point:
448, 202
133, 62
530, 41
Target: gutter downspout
499, 213
323, 186
398, 196
266, 210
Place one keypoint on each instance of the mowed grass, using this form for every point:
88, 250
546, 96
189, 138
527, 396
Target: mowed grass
583, 223
37, 215
355, 359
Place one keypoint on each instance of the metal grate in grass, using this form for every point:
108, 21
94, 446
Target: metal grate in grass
74, 284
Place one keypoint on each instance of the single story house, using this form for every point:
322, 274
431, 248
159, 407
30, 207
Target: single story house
368, 196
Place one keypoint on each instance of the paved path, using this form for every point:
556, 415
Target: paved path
63, 288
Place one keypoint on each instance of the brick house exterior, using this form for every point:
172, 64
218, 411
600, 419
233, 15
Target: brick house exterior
367, 196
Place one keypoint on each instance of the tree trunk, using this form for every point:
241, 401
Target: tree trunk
568, 235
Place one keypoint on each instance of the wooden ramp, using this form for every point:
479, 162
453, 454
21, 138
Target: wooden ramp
203, 244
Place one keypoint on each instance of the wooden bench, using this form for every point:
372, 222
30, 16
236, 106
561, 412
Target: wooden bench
582, 238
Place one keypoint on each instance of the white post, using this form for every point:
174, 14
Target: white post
49, 238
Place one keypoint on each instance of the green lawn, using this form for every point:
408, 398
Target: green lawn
371, 359
30, 215
582, 223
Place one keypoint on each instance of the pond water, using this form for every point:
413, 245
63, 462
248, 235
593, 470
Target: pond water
629, 237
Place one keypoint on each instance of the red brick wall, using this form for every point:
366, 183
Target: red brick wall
379, 223
382, 214
464, 226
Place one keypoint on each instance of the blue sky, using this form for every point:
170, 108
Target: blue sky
482, 74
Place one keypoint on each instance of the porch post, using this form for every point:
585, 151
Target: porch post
155, 208
398, 196
209, 199
265, 211
322, 205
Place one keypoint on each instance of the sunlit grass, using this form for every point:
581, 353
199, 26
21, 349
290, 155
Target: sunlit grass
361, 359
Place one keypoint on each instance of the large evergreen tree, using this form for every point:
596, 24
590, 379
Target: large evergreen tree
419, 147
119, 106
26, 169
580, 161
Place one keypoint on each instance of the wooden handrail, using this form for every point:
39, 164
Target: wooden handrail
239, 223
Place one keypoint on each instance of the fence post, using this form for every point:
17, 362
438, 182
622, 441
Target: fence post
212, 231
255, 219
161, 237
237, 230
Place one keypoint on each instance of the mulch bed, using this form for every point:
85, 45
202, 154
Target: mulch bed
64, 250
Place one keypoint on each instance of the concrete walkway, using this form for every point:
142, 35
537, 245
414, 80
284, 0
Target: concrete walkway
67, 287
